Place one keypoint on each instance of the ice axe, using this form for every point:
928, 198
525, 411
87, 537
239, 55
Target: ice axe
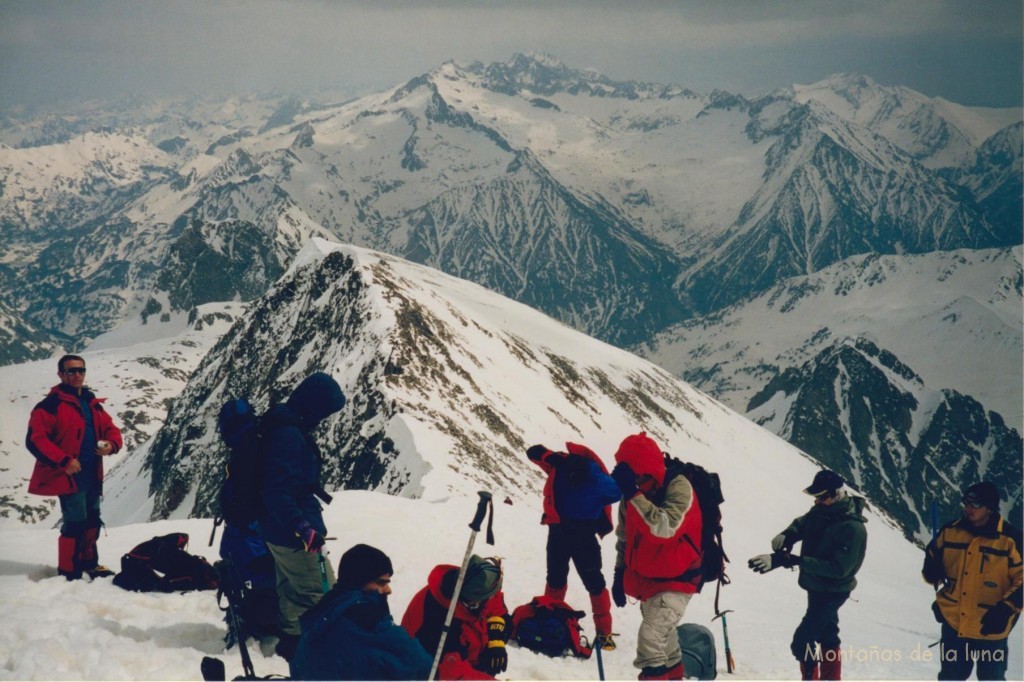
481, 511
730, 665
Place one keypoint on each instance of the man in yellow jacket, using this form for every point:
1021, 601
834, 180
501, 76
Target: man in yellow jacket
975, 564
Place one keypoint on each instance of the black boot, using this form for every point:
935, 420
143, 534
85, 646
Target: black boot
286, 645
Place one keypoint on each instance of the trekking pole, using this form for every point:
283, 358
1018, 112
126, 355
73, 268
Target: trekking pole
481, 511
600, 662
730, 665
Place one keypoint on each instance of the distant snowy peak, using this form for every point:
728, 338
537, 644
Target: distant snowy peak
412, 347
862, 412
543, 74
934, 131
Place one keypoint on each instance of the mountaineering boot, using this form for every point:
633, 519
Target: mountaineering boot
601, 605
100, 571
67, 554
556, 593
605, 640
831, 664
88, 556
809, 670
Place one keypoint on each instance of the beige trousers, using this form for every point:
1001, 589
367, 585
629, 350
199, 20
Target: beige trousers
657, 642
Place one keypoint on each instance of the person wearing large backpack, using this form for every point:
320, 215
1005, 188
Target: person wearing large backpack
832, 540
350, 634
292, 521
474, 648
577, 498
658, 550
69, 434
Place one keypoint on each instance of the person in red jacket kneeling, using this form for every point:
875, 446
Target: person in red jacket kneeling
658, 552
475, 646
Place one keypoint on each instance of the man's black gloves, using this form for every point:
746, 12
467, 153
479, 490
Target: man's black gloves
996, 619
535, 452
934, 572
618, 590
768, 562
494, 658
625, 479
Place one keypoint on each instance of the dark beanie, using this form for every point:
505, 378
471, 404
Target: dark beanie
983, 493
361, 564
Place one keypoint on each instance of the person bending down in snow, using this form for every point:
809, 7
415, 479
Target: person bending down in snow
475, 646
577, 498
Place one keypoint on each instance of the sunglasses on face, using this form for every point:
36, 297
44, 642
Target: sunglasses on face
973, 504
75, 370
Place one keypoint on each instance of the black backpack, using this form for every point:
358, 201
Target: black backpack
708, 488
241, 493
162, 564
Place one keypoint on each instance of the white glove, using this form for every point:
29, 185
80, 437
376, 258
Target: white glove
779, 541
762, 563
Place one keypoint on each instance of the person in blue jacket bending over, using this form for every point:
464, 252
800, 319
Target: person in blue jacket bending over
577, 499
350, 635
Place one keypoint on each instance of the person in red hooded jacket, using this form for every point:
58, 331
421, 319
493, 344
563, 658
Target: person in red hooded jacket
475, 646
69, 434
658, 552
577, 498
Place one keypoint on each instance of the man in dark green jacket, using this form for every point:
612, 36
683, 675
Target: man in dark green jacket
833, 540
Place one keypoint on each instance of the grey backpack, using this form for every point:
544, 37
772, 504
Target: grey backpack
699, 657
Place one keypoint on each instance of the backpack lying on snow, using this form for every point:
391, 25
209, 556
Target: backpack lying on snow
698, 646
550, 627
162, 565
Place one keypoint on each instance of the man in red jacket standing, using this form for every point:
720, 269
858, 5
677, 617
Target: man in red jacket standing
69, 433
658, 552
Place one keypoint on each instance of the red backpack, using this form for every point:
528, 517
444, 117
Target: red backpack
551, 627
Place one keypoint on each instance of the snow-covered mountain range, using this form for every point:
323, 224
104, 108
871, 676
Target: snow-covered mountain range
627, 210
447, 384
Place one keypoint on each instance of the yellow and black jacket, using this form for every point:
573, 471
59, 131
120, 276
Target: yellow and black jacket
977, 569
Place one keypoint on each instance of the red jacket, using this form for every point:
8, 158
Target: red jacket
550, 516
424, 619
56, 428
659, 533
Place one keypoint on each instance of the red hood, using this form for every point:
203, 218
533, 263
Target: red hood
643, 456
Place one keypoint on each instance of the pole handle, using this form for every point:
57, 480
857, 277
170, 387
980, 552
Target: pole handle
481, 510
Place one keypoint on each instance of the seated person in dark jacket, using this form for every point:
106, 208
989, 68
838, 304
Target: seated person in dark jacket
350, 635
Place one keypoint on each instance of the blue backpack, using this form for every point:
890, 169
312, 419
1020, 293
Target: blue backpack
241, 493
550, 627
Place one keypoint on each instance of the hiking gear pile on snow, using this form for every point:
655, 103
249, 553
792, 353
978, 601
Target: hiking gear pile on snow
163, 565
551, 627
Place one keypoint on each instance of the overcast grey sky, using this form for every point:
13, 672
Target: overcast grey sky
968, 51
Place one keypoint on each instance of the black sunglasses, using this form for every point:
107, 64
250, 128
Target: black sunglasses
75, 370
973, 504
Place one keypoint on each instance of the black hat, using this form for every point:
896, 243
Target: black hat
986, 494
825, 481
361, 564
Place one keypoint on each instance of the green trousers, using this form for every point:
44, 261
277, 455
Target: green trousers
299, 583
